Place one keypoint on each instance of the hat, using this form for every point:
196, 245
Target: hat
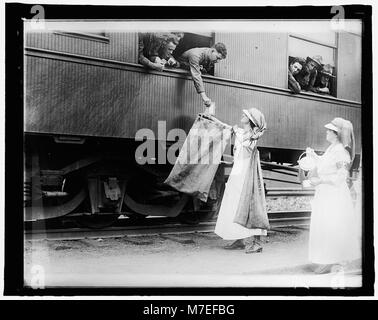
318, 59
344, 129
332, 127
245, 111
258, 119
327, 70
346, 135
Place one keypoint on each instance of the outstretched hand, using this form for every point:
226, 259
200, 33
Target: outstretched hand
207, 102
311, 152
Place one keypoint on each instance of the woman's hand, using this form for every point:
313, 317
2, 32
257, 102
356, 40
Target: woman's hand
315, 181
311, 153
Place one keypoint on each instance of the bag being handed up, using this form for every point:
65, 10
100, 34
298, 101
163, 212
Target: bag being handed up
199, 157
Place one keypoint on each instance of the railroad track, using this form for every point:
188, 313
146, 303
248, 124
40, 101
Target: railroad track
289, 192
277, 219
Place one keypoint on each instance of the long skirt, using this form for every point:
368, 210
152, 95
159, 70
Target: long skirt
333, 230
225, 227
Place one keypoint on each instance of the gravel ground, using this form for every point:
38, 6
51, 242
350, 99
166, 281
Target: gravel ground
288, 203
157, 261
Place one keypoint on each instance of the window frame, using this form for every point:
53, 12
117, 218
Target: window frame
181, 70
212, 42
321, 43
85, 36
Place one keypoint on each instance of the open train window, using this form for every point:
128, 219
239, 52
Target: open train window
317, 44
195, 40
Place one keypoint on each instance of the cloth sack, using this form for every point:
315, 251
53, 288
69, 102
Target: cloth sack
200, 156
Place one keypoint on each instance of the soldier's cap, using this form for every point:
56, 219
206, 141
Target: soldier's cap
327, 70
317, 59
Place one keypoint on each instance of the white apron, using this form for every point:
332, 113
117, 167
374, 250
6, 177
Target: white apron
225, 227
333, 230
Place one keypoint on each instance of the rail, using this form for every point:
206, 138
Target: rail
276, 219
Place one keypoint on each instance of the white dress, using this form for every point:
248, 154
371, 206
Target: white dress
225, 227
333, 229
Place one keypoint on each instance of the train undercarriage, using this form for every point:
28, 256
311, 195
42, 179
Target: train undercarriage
95, 180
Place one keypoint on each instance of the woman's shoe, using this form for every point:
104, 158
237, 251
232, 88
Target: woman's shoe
253, 248
238, 244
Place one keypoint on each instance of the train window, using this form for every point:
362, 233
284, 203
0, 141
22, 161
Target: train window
322, 44
195, 40
324, 38
93, 36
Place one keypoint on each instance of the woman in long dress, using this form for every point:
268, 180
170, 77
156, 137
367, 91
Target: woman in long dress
242, 216
333, 231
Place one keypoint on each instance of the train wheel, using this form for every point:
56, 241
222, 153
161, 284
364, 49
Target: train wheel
42, 211
146, 195
48, 194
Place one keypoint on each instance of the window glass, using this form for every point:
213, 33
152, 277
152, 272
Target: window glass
303, 49
327, 38
195, 40
192, 40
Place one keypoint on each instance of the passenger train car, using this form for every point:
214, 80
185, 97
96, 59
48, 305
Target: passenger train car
86, 97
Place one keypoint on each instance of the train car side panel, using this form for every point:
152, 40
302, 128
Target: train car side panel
254, 57
120, 46
349, 67
68, 97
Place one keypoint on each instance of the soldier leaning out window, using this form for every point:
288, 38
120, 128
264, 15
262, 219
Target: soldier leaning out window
310, 75
295, 66
155, 49
196, 60
307, 76
322, 83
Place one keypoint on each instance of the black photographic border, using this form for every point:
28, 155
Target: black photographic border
13, 259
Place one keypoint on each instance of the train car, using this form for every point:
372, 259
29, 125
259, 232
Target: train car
86, 97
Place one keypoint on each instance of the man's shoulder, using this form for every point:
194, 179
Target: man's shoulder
196, 50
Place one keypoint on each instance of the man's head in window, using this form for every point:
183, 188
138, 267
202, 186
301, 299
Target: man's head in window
325, 74
170, 45
295, 67
314, 62
218, 52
